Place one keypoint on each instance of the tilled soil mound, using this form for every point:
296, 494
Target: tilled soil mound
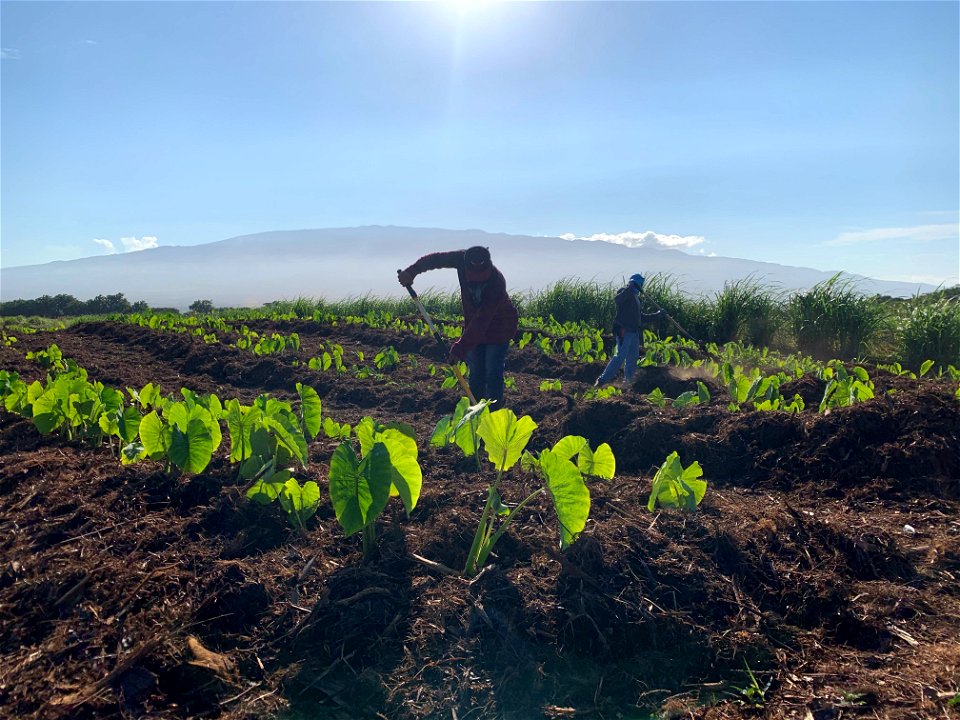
818, 579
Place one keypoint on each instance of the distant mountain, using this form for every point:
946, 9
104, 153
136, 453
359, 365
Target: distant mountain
340, 263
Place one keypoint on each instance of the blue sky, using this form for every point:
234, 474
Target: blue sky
819, 134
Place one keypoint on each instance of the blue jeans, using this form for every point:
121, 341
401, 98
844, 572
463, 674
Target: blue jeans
628, 352
486, 363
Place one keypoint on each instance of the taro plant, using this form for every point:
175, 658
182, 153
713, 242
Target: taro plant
183, 435
266, 438
844, 388
677, 487
601, 393
120, 421
148, 397
387, 358
563, 467
300, 502
460, 428
13, 393
335, 430
656, 398
505, 438
72, 405
51, 359
360, 487
693, 397
550, 385
449, 376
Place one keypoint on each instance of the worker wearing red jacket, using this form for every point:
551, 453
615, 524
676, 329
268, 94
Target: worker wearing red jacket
489, 315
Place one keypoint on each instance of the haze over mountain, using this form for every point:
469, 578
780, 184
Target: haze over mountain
338, 263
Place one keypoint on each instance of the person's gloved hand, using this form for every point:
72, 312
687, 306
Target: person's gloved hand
406, 277
457, 354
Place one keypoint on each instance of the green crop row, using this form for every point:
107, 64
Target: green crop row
269, 443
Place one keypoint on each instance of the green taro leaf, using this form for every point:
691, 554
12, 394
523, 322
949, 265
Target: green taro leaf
686, 398
505, 436
287, 431
359, 489
310, 407
131, 453
240, 423
154, 435
674, 486
298, 501
191, 450
407, 476
51, 409
267, 489
571, 497
925, 367
702, 392
128, 424
598, 463
569, 446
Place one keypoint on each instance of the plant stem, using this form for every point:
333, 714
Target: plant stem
369, 537
483, 530
487, 547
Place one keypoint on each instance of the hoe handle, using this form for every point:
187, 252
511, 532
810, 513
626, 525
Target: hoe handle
440, 341
674, 322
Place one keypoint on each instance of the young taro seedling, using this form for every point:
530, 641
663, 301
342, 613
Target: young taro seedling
460, 427
387, 358
563, 468
183, 435
360, 487
691, 397
677, 487
266, 438
548, 385
299, 502
845, 388
505, 438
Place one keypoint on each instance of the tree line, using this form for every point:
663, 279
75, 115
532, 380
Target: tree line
58, 306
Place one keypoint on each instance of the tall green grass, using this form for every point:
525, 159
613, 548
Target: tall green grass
833, 320
440, 304
931, 331
571, 301
748, 313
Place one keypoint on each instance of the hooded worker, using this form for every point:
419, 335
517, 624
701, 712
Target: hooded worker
626, 330
489, 315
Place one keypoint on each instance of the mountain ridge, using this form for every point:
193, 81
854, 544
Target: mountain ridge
338, 263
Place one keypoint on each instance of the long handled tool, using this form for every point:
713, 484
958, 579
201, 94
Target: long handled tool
675, 323
443, 343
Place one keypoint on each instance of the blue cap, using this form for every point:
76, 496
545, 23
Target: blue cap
637, 280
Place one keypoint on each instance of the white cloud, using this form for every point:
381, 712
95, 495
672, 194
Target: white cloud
918, 233
132, 244
641, 239
9, 54
106, 244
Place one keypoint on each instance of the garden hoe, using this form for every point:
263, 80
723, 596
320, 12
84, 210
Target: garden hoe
443, 343
675, 323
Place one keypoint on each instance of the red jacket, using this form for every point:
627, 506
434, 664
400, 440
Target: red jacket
489, 314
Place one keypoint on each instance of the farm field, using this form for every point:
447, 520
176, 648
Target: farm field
818, 578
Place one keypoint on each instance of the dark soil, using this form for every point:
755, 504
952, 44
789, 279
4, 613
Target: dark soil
825, 557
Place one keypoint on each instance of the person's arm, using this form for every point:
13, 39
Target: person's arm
434, 261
